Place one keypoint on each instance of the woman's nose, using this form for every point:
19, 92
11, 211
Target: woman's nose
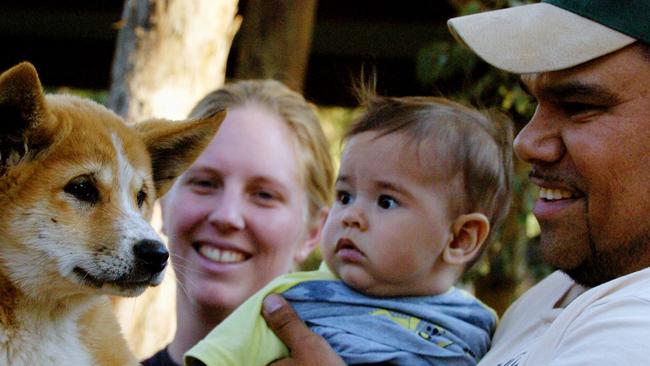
540, 141
228, 213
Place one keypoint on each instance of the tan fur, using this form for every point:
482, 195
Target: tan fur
148, 321
77, 186
102, 340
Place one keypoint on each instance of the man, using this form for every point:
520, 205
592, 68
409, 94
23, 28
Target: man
588, 65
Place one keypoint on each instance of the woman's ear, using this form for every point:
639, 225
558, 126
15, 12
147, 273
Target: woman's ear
313, 237
163, 227
165, 204
470, 232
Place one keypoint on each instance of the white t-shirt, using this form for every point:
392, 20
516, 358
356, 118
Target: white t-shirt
606, 325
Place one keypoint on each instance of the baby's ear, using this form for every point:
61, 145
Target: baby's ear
470, 232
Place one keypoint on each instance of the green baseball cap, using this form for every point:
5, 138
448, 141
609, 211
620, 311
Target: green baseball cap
554, 34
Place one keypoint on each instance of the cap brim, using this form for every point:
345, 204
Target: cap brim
535, 38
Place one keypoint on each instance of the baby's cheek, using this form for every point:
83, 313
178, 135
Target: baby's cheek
402, 263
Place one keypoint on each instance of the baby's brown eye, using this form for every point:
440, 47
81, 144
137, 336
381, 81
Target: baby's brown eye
386, 202
344, 197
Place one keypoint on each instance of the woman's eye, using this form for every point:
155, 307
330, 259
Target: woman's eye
343, 197
386, 202
202, 183
265, 195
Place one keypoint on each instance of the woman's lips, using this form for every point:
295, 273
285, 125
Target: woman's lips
220, 255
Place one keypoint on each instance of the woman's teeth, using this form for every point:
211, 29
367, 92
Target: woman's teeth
221, 255
550, 194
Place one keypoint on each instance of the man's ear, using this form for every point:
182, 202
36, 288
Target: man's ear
470, 232
174, 145
313, 237
26, 125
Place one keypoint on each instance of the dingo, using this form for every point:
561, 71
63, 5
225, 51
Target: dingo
77, 187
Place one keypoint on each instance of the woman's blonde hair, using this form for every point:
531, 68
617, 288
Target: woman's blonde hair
314, 156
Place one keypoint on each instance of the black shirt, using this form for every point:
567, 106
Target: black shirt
161, 358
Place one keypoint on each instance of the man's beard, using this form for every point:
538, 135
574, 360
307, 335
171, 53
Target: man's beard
612, 260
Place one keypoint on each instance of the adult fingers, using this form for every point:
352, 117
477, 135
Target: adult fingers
307, 348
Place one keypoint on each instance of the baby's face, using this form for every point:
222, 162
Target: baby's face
389, 224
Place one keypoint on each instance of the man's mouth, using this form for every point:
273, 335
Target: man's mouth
554, 194
554, 187
220, 255
555, 201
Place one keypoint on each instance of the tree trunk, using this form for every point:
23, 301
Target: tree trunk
276, 40
169, 54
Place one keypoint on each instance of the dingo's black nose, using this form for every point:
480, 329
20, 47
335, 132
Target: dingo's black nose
151, 254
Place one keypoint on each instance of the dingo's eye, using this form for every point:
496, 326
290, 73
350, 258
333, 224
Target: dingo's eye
83, 188
141, 197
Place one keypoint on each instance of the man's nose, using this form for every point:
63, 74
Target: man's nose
540, 141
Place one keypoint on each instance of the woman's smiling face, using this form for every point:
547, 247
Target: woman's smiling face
237, 218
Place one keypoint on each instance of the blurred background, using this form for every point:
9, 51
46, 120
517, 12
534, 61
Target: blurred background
145, 58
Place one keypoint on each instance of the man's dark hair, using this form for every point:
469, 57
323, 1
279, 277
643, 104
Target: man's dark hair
645, 49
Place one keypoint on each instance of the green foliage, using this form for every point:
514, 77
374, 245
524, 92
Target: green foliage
451, 69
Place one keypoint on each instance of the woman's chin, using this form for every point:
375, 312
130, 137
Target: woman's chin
217, 297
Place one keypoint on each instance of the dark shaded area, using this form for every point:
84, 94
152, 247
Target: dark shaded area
71, 43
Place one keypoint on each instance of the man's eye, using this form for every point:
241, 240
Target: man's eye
573, 109
343, 197
386, 202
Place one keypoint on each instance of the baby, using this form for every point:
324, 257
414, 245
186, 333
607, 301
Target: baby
421, 182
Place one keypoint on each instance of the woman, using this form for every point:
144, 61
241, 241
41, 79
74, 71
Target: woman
249, 209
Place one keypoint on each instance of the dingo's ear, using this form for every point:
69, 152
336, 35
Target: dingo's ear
25, 122
174, 146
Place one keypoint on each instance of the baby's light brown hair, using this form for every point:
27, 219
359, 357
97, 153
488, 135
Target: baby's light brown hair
476, 147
